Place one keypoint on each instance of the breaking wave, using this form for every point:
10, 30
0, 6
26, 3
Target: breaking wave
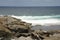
41, 20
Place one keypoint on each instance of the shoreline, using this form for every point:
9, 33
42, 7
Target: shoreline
15, 29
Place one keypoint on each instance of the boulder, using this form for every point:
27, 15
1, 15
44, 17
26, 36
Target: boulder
13, 26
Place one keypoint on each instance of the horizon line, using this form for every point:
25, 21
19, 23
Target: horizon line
29, 6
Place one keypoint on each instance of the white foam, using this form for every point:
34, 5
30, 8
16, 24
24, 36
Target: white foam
41, 20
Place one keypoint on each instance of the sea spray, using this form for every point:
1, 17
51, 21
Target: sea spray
40, 20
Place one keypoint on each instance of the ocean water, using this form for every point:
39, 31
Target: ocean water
30, 11
46, 16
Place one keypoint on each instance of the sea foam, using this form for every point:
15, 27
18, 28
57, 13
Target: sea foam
40, 20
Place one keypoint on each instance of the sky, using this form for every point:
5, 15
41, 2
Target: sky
29, 2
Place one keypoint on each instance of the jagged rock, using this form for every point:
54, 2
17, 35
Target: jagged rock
11, 27
14, 24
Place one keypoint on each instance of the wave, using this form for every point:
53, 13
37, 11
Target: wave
37, 17
40, 20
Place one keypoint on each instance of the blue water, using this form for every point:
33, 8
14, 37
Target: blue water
39, 15
30, 11
46, 16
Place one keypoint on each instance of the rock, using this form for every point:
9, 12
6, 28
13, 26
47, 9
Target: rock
37, 36
23, 34
2, 28
12, 25
5, 35
24, 38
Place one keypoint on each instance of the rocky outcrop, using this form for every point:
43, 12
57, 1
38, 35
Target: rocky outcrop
16, 29
13, 26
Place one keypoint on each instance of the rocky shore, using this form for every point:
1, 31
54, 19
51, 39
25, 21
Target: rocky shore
16, 29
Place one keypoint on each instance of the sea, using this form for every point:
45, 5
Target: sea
47, 16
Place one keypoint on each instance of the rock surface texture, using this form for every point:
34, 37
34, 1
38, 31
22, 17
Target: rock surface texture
16, 29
